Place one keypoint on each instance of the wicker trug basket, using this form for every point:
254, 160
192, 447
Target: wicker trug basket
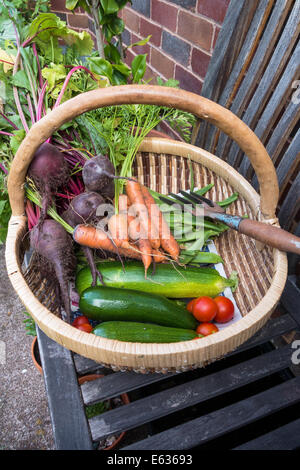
162, 165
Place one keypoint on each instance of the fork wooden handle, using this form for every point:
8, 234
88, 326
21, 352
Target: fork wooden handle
270, 235
267, 234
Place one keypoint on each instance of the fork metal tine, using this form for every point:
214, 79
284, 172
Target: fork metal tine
179, 198
204, 199
191, 197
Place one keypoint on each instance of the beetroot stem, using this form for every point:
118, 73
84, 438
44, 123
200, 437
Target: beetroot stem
67, 79
9, 121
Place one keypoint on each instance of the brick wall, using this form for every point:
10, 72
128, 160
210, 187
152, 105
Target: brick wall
184, 34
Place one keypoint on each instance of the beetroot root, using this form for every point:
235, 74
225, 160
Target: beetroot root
55, 249
83, 209
49, 171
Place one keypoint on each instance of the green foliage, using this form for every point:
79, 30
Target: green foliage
16, 140
48, 28
5, 210
36, 35
110, 58
96, 409
29, 325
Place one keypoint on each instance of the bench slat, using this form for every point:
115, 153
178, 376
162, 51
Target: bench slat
199, 390
220, 422
64, 399
284, 438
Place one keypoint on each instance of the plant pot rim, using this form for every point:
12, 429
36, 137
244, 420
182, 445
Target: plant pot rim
37, 364
124, 397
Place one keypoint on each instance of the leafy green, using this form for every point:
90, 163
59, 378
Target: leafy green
47, 28
109, 6
138, 67
29, 325
5, 210
100, 66
71, 4
16, 139
20, 79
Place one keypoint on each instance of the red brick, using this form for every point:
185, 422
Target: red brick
164, 14
147, 28
187, 80
131, 19
199, 62
195, 29
214, 9
58, 5
162, 63
140, 49
78, 21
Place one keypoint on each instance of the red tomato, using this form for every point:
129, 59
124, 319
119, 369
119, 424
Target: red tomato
204, 309
80, 321
207, 328
85, 327
225, 309
189, 306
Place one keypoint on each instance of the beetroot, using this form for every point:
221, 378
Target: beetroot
109, 191
55, 249
83, 208
49, 171
98, 173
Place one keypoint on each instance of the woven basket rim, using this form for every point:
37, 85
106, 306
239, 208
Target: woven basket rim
140, 355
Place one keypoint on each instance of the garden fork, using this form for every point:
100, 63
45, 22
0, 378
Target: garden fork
267, 234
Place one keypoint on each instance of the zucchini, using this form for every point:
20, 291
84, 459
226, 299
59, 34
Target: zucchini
112, 303
170, 281
134, 332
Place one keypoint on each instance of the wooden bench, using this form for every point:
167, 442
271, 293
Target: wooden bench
251, 398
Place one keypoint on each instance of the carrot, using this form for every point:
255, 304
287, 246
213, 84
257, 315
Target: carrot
123, 203
167, 241
146, 253
118, 226
158, 256
154, 213
138, 207
93, 237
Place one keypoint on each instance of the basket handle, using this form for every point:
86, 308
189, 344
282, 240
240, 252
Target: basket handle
146, 94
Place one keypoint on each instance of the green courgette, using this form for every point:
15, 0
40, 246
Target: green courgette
134, 332
112, 303
170, 281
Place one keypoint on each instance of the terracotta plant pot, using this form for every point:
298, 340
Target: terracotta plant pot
124, 397
35, 355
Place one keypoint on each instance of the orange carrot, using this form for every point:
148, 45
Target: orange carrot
118, 226
123, 203
137, 205
146, 253
167, 241
96, 238
154, 215
158, 256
